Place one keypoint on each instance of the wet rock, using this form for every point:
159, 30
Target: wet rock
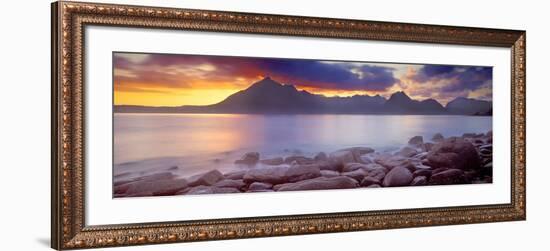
374, 186
352, 154
321, 157
416, 141
331, 164
207, 179
358, 174
282, 174
211, 190
273, 161
342, 157
238, 175
156, 176
428, 146
239, 184
454, 153
437, 137
489, 133
250, 159
303, 172
398, 176
448, 177
378, 174
421, 156
329, 173
422, 172
392, 161
259, 186
152, 187
407, 151
349, 167
302, 160
419, 181
321, 183
272, 175
438, 170
173, 168
367, 181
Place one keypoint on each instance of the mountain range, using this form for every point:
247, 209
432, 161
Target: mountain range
268, 96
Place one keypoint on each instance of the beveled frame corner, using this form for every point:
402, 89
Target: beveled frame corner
68, 218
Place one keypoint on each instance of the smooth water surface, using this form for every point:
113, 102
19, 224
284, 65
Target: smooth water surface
201, 142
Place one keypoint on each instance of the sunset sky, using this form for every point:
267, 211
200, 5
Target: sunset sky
175, 80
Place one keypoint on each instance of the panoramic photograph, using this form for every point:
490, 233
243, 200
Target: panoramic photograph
203, 124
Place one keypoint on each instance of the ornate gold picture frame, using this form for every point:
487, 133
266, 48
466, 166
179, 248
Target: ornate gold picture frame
69, 230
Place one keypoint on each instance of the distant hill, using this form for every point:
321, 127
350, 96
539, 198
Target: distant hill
271, 97
469, 106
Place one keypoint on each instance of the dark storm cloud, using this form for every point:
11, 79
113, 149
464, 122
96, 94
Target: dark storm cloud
333, 75
460, 77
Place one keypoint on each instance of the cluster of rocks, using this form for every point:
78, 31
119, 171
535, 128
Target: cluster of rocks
440, 161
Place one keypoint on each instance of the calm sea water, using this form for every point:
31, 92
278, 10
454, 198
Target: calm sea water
201, 142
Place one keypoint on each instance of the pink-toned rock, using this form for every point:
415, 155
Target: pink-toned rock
153, 187
301, 160
239, 184
206, 179
455, 153
390, 162
407, 151
259, 186
302, 172
374, 186
419, 181
273, 161
358, 174
210, 190
422, 172
448, 177
416, 141
398, 176
250, 159
378, 174
321, 183
352, 154
329, 173
367, 181
237, 175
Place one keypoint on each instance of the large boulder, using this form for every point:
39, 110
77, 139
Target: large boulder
378, 174
390, 162
321, 183
352, 154
329, 173
249, 159
416, 141
206, 179
259, 186
367, 181
448, 177
398, 176
282, 174
237, 175
407, 151
210, 190
297, 159
437, 137
302, 172
358, 174
239, 184
321, 157
454, 153
419, 181
152, 187
272, 175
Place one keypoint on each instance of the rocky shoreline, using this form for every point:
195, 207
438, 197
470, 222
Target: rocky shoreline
440, 161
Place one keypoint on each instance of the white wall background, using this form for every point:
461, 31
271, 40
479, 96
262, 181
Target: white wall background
25, 124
